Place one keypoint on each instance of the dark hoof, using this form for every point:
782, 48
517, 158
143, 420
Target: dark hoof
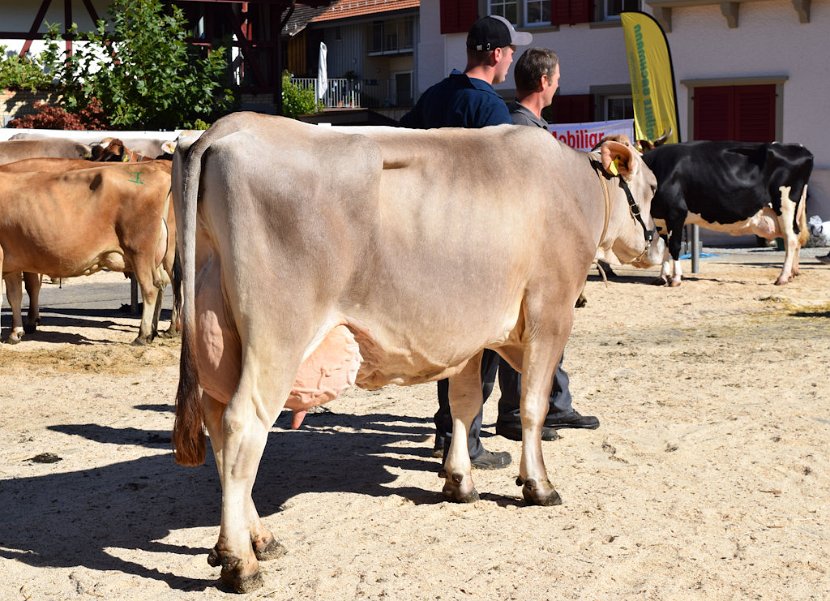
241, 584
543, 496
213, 558
141, 341
270, 551
455, 496
30, 328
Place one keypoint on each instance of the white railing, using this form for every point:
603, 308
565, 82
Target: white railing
341, 92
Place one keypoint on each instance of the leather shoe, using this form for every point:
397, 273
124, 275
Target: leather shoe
572, 420
438, 446
491, 460
513, 431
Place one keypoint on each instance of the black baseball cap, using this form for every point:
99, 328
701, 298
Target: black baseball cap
493, 31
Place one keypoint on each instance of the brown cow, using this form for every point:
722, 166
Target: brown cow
401, 255
65, 220
16, 150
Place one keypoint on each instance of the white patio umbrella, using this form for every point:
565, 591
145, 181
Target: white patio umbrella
322, 73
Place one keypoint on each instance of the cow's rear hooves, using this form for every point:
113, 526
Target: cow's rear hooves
544, 496
674, 283
272, 550
30, 329
241, 584
14, 339
141, 341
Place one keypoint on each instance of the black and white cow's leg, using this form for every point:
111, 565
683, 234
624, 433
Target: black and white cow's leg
540, 360
33, 283
671, 273
465, 403
263, 542
14, 293
786, 222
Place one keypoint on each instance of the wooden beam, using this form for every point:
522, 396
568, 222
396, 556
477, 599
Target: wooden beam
67, 23
44, 6
247, 48
730, 11
91, 10
802, 7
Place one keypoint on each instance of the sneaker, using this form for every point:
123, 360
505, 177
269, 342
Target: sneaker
491, 460
572, 420
513, 431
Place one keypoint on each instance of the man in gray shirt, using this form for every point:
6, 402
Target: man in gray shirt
537, 78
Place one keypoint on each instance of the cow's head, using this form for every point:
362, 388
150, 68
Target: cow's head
631, 235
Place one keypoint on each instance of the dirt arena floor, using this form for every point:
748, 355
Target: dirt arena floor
709, 477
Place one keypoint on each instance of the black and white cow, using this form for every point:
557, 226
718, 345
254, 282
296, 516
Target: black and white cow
735, 187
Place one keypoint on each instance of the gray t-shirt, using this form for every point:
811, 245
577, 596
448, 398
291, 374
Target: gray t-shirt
521, 115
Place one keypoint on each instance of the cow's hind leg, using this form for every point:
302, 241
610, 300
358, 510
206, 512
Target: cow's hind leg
792, 245
264, 385
465, 402
33, 283
263, 543
150, 296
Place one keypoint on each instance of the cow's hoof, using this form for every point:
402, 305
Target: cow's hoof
674, 283
459, 489
14, 338
141, 341
542, 494
241, 584
269, 551
659, 282
30, 328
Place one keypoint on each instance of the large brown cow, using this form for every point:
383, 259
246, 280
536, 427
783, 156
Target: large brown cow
396, 254
64, 220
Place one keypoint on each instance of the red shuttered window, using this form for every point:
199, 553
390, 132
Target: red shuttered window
571, 12
741, 113
458, 15
574, 108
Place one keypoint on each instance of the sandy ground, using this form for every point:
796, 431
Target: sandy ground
709, 477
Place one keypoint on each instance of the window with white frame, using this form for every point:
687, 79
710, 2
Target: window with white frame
612, 8
509, 9
523, 13
618, 107
537, 12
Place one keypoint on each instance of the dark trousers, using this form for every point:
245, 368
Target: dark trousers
510, 383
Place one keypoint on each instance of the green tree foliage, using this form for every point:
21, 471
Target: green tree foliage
297, 101
24, 73
141, 69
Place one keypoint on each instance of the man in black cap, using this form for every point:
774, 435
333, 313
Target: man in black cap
468, 100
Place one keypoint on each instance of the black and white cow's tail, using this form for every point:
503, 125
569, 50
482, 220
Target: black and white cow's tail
188, 429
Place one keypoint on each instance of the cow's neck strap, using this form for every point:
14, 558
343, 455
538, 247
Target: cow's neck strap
607, 195
635, 211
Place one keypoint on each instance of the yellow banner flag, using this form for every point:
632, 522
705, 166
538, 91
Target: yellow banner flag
652, 77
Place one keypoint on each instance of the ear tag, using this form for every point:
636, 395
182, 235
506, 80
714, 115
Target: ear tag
612, 167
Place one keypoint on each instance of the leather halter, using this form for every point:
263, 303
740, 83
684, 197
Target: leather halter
633, 208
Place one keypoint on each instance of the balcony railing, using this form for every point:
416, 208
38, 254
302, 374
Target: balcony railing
367, 93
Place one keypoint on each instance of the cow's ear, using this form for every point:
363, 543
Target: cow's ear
622, 157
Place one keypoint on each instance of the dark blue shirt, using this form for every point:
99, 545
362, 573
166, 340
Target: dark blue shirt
458, 101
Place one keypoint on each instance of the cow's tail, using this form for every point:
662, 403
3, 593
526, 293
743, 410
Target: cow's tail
188, 428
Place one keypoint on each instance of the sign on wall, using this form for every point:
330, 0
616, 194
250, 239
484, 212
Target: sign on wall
584, 136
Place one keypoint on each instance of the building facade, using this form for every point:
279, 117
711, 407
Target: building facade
755, 69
